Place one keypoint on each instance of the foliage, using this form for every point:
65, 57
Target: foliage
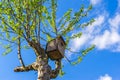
84, 53
36, 20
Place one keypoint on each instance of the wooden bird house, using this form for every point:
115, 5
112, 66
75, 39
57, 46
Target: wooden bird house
55, 49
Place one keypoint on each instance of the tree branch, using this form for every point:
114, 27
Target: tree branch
54, 73
19, 53
37, 48
28, 19
39, 29
22, 69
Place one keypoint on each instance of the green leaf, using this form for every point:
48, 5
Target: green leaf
65, 19
84, 52
77, 35
75, 20
48, 38
26, 47
14, 38
0, 3
1, 35
87, 23
7, 46
61, 73
53, 14
7, 51
67, 41
44, 9
90, 7
78, 60
91, 21
7, 35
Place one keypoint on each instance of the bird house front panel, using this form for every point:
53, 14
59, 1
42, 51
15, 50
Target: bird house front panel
51, 46
55, 55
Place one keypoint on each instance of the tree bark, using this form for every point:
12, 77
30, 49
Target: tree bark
37, 48
43, 68
41, 64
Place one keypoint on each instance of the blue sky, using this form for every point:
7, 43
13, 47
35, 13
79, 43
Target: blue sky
100, 64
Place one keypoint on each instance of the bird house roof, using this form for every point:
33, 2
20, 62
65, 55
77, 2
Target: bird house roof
60, 37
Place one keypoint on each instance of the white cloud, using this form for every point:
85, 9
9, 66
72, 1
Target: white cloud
95, 2
99, 20
96, 25
107, 40
104, 33
117, 49
78, 42
118, 3
110, 37
101, 40
105, 77
115, 22
87, 34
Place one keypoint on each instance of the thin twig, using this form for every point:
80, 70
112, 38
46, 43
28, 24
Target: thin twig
7, 40
71, 50
39, 29
19, 53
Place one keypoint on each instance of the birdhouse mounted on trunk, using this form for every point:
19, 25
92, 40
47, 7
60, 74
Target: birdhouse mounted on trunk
55, 49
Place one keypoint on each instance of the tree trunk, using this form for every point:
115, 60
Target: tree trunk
43, 68
41, 64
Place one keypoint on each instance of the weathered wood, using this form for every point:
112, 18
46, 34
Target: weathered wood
56, 48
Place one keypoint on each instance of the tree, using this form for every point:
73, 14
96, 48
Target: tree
34, 22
